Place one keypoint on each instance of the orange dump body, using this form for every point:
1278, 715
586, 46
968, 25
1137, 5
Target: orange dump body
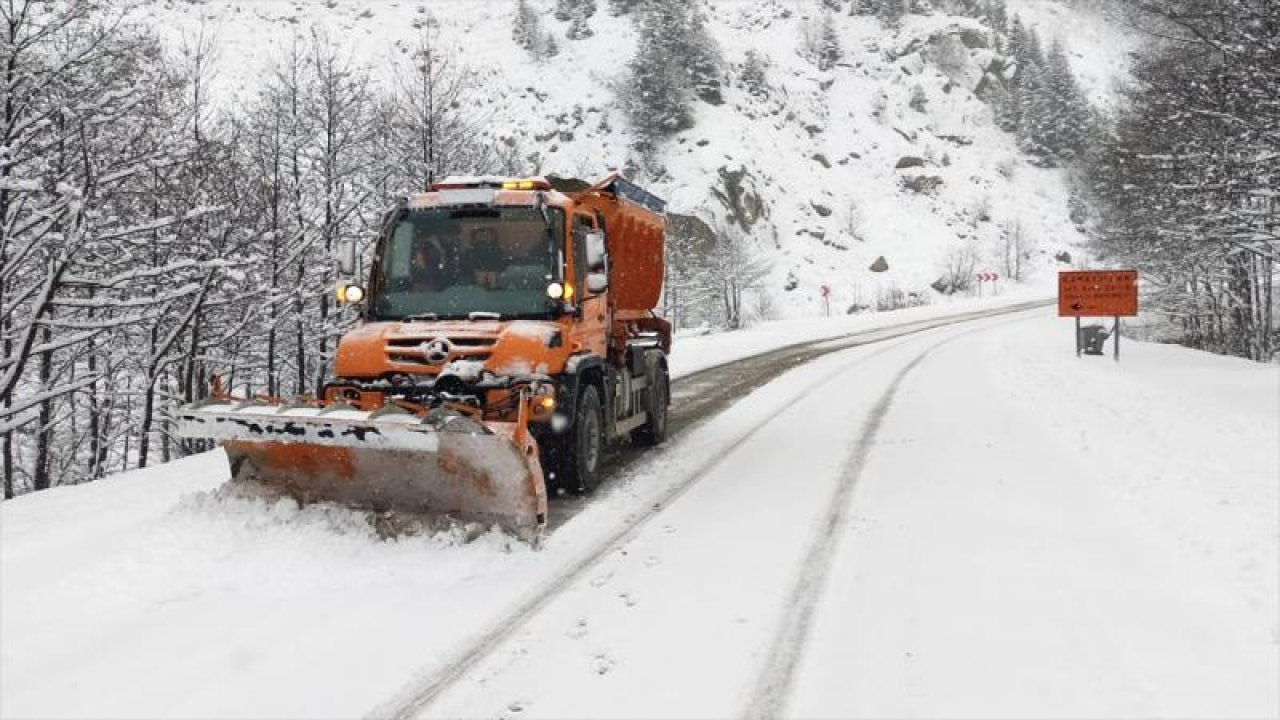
636, 238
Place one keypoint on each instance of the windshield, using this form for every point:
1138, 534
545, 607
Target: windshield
451, 263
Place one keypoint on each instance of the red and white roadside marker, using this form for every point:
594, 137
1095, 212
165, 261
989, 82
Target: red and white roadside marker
984, 277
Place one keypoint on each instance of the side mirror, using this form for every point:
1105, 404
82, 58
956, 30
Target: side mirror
597, 282
346, 255
595, 251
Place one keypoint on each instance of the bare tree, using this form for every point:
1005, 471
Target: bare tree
737, 270
1014, 246
958, 269
436, 127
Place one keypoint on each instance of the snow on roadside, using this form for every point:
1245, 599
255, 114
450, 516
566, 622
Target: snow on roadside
1189, 443
125, 597
1038, 535
691, 354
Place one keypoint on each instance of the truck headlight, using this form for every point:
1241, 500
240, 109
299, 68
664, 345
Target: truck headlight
350, 293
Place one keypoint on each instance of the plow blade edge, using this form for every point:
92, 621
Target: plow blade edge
447, 465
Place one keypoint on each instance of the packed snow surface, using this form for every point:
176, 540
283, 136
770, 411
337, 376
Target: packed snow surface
1026, 534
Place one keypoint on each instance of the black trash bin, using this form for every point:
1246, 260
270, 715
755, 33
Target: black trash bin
1092, 337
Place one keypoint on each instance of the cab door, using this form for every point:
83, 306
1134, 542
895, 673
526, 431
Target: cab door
590, 263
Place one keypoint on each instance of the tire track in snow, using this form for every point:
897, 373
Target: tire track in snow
419, 695
773, 688
704, 393
422, 694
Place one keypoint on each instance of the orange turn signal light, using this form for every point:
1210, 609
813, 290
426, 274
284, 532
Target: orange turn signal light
542, 406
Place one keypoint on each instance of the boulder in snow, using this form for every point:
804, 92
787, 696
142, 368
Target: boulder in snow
923, 184
738, 193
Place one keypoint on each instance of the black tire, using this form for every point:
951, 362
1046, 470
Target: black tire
576, 456
657, 399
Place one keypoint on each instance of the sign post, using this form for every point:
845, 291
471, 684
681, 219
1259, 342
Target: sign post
987, 276
826, 299
1098, 293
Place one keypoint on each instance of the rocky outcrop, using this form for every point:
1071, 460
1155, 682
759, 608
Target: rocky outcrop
693, 233
923, 184
738, 192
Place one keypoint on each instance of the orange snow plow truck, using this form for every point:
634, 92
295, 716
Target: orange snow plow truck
506, 335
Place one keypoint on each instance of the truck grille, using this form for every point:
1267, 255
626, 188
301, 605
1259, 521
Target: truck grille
438, 350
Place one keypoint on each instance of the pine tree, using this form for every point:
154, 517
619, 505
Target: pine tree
695, 45
998, 14
576, 13
578, 27
1019, 39
1004, 107
526, 26
829, 50
1068, 106
676, 60
891, 12
752, 76
548, 48
1034, 111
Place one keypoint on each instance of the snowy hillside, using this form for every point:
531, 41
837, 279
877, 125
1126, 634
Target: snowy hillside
1100, 43
816, 160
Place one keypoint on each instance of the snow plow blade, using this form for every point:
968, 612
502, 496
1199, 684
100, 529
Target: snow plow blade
443, 463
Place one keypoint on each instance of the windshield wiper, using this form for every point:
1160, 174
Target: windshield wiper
430, 317
483, 315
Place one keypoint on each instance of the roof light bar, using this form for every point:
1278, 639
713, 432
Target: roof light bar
490, 182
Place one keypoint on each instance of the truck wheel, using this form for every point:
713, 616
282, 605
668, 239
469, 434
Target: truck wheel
578, 469
657, 398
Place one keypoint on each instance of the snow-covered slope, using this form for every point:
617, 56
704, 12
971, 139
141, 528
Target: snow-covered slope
1099, 41
820, 154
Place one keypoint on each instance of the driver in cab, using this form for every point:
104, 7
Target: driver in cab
426, 264
484, 261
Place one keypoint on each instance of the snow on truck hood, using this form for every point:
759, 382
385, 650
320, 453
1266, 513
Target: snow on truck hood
511, 347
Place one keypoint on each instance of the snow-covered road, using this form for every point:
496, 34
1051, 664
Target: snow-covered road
1010, 549
968, 521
